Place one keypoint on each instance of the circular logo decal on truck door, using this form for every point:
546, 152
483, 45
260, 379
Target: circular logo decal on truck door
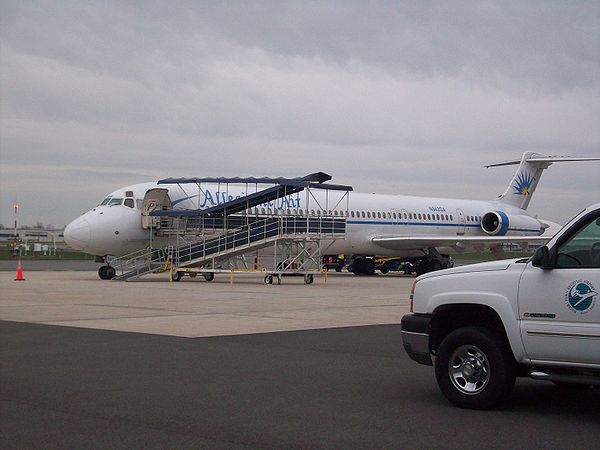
581, 296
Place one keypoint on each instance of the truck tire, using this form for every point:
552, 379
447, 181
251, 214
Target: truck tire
474, 368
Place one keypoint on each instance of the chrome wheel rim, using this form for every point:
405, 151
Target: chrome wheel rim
469, 369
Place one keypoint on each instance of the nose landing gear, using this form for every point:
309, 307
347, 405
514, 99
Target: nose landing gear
106, 272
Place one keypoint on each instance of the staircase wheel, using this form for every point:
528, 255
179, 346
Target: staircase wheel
269, 279
308, 278
209, 276
278, 279
176, 276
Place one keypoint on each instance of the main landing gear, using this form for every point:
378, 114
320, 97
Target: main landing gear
433, 261
106, 272
363, 266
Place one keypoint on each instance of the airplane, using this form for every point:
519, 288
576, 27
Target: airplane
377, 225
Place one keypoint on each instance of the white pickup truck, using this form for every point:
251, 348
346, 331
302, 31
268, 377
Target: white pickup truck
485, 324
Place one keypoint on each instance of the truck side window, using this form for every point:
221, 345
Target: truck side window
582, 249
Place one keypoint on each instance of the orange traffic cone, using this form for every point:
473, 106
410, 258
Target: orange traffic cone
19, 273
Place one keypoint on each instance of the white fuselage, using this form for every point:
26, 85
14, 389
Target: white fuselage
115, 228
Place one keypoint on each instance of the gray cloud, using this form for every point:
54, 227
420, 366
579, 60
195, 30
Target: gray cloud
393, 97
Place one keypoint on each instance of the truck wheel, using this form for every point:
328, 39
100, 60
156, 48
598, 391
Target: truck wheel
384, 271
474, 368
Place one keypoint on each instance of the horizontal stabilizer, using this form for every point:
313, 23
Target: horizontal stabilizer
544, 160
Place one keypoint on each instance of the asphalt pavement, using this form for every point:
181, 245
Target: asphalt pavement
65, 387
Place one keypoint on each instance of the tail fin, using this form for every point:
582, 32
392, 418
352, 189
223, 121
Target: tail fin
523, 184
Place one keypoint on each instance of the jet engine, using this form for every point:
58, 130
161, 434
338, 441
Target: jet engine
499, 223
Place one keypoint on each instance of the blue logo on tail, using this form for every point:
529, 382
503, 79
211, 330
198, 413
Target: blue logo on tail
523, 184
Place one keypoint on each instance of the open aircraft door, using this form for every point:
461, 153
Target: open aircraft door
156, 199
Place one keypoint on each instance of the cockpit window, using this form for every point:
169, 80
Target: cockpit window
129, 202
105, 201
115, 201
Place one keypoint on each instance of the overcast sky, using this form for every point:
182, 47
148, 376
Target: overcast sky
389, 97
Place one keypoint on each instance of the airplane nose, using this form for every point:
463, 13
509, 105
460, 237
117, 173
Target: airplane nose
77, 234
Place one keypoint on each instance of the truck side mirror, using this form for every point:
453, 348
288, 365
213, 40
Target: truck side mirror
541, 258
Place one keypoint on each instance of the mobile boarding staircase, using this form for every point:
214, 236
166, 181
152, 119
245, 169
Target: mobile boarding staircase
209, 240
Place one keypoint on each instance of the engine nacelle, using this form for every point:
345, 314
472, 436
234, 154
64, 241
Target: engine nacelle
499, 223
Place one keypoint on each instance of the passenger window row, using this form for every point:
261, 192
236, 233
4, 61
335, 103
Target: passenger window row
389, 215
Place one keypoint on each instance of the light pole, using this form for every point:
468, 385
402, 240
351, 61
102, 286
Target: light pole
16, 207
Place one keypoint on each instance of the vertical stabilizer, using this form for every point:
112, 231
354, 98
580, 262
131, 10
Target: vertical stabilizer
523, 184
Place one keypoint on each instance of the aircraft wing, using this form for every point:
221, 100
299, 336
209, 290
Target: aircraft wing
402, 242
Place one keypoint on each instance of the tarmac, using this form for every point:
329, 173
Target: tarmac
86, 363
197, 308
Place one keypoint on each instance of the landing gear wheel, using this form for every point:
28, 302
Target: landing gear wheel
269, 279
102, 272
308, 278
110, 272
369, 267
208, 276
176, 276
474, 368
358, 266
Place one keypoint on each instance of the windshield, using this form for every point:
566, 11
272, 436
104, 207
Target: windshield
105, 201
115, 201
